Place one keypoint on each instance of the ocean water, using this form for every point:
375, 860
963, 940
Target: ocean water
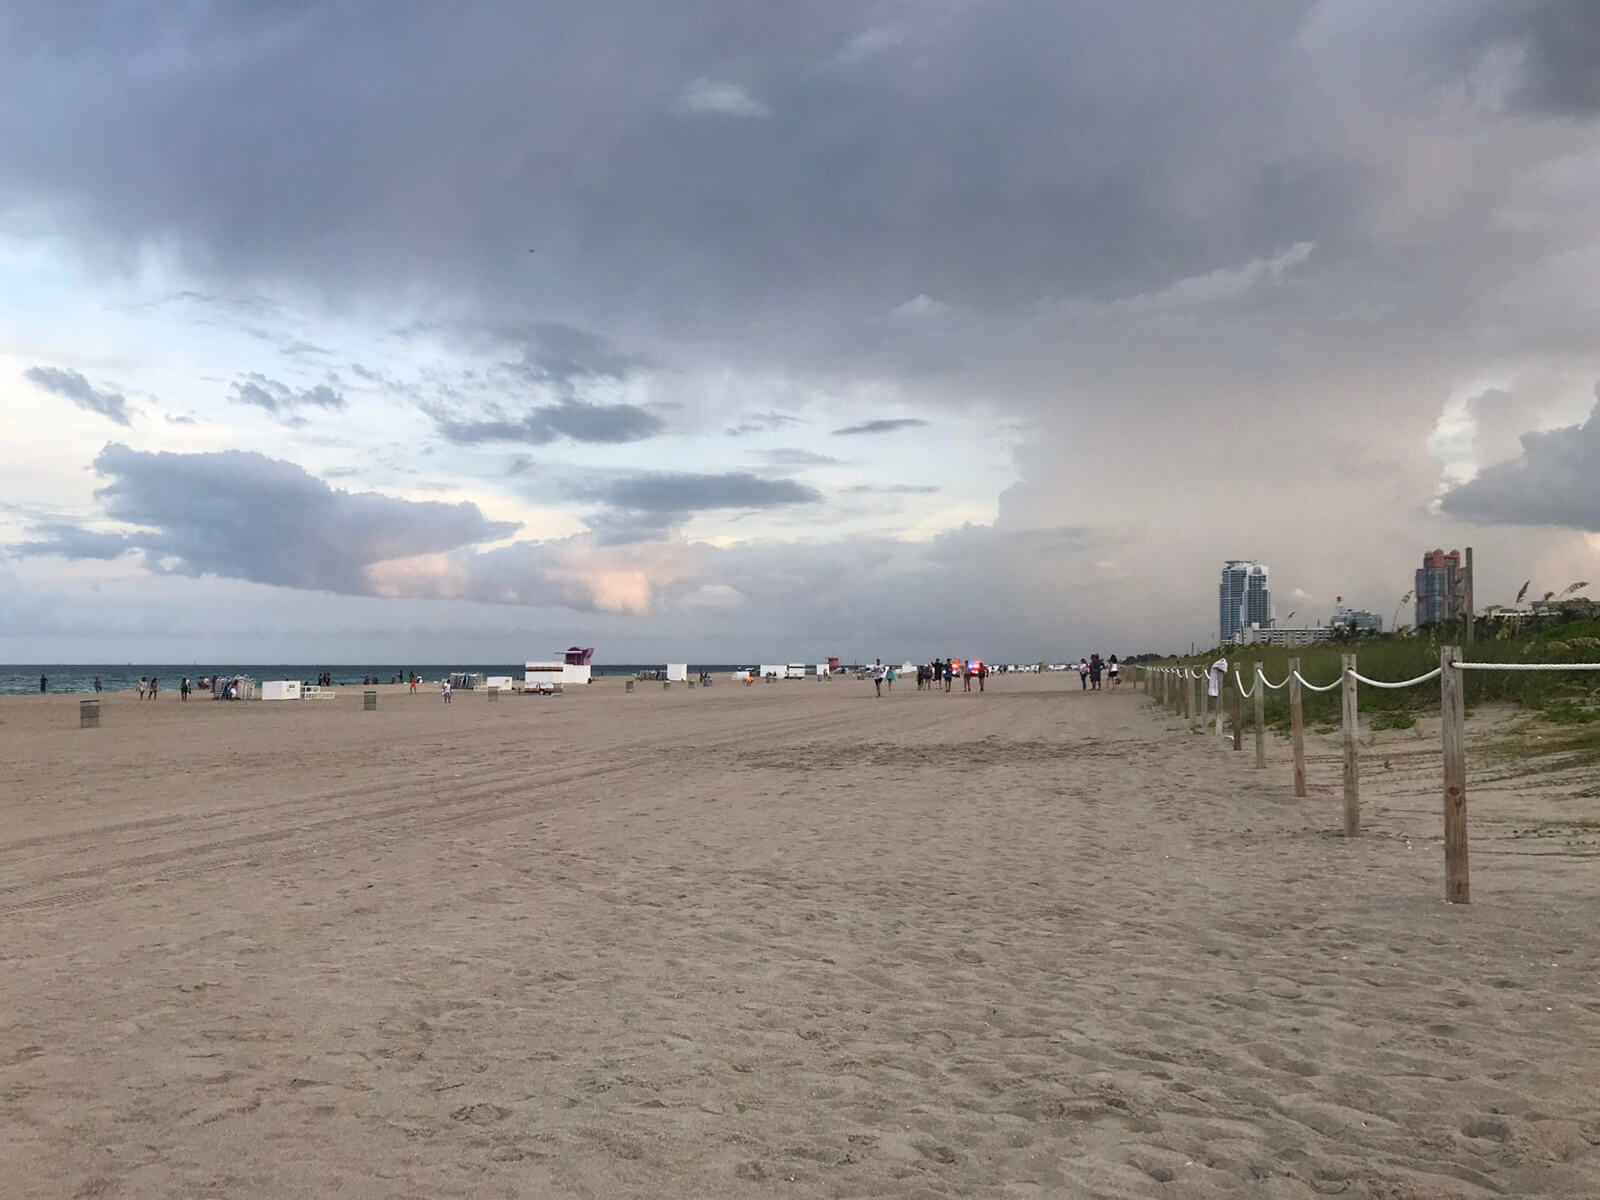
22, 679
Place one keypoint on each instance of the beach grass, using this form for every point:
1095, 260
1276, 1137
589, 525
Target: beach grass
1563, 698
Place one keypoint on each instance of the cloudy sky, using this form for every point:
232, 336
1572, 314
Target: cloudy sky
734, 330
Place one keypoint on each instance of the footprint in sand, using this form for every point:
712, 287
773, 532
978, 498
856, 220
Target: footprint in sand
1494, 1128
480, 1114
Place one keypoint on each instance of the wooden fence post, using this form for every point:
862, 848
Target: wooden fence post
1194, 694
1205, 701
1260, 698
1222, 691
1297, 728
1238, 714
1352, 772
1453, 708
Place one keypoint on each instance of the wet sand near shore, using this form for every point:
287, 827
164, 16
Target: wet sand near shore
781, 940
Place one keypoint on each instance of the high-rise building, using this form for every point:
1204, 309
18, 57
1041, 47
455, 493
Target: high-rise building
1357, 619
1441, 588
1243, 598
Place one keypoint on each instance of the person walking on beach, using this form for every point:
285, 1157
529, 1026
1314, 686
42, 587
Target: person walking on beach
983, 673
878, 674
1111, 667
1083, 674
413, 683
183, 689
1095, 668
444, 690
154, 686
97, 683
889, 676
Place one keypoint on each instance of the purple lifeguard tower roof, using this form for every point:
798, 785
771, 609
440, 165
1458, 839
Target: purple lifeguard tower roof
579, 656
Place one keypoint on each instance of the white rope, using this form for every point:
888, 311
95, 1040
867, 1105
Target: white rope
1304, 682
1244, 692
1468, 666
1378, 683
1274, 687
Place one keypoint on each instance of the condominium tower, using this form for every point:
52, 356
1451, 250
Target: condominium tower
1243, 598
1441, 588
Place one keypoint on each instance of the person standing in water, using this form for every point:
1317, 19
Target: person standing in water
44, 684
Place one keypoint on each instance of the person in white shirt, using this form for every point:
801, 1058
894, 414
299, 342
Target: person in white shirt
444, 691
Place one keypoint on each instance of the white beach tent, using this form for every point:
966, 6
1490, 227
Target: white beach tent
677, 672
822, 670
772, 670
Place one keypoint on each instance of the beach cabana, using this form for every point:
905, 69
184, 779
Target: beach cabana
677, 672
280, 689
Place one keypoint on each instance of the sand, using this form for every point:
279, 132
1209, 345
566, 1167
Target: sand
787, 940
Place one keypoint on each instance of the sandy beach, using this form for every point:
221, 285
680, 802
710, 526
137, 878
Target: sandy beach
787, 940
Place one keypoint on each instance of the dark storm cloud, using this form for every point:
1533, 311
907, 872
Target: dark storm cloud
243, 515
1554, 481
683, 492
880, 426
68, 383
1557, 43
73, 541
280, 399
647, 506
598, 424
434, 147
563, 357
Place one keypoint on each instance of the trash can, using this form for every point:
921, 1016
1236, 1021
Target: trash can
88, 714
369, 701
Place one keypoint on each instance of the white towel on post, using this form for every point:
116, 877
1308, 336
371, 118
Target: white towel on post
1214, 677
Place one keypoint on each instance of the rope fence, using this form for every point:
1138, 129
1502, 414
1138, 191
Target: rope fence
1177, 688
